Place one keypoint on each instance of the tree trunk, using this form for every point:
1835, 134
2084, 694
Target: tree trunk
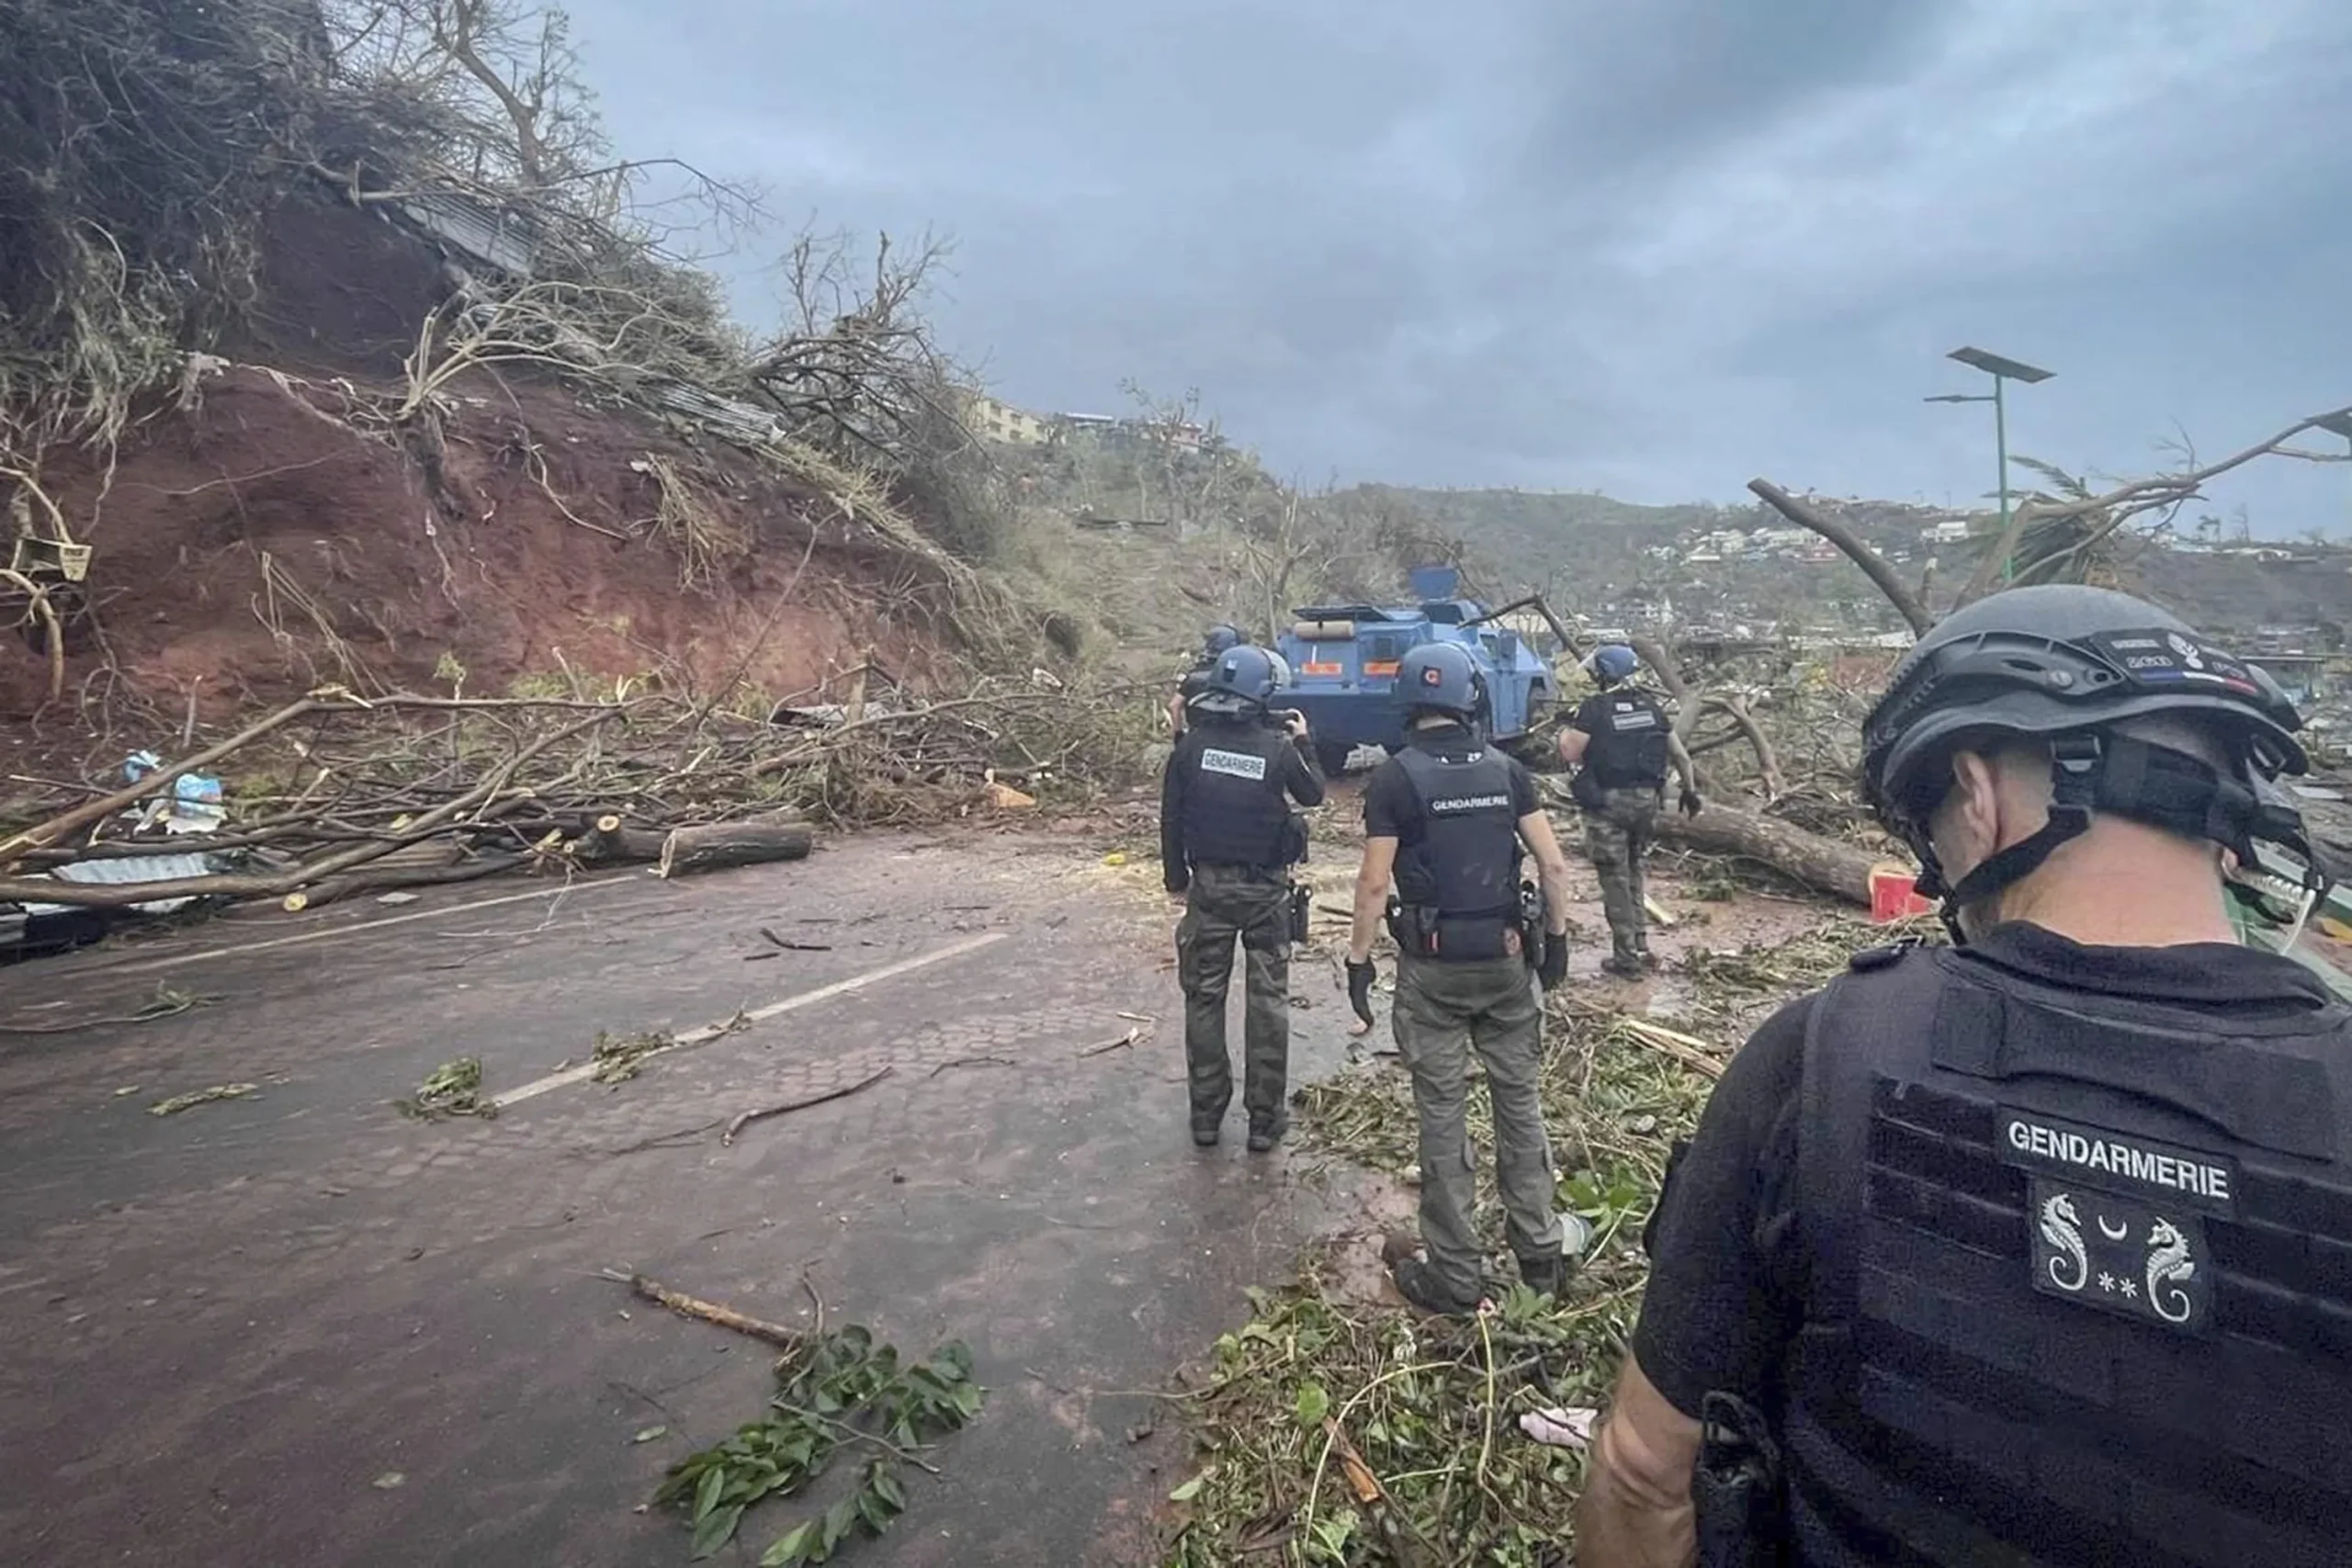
1825, 865
721, 844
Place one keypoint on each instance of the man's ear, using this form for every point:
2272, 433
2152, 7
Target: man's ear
1975, 802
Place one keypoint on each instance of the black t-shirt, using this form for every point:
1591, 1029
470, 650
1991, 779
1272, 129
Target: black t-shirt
1727, 1266
1391, 809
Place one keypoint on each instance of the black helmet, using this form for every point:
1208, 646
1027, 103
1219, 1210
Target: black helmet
1219, 639
2066, 664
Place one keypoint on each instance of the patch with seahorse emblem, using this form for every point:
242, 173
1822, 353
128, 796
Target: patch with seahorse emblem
2097, 1249
2116, 1220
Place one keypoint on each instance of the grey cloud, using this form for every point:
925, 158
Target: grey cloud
1652, 249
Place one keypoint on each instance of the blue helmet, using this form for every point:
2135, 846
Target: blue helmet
1439, 676
1613, 662
1221, 637
1243, 678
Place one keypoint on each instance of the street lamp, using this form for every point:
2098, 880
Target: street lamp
2002, 371
2337, 424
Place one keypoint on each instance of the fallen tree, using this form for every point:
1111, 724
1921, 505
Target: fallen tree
357, 795
1824, 865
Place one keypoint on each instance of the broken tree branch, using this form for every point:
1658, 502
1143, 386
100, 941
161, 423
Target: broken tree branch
1854, 546
711, 1312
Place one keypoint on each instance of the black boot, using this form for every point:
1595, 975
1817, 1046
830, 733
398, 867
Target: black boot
1545, 1275
1264, 1136
1417, 1281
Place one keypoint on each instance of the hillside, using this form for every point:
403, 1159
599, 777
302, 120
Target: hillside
1620, 561
448, 420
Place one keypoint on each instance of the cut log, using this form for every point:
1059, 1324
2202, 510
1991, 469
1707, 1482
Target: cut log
718, 846
607, 840
1825, 865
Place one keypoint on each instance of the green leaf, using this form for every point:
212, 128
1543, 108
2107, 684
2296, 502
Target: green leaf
794, 1547
1191, 1489
714, 1482
716, 1528
888, 1487
1314, 1404
839, 1519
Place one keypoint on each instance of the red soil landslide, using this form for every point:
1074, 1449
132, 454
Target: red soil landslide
408, 556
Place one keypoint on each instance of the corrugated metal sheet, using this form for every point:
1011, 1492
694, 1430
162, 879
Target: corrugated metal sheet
738, 421
487, 235
130, 869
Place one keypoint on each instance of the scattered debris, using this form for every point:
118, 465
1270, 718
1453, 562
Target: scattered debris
834, 1390
1434, 1411
180, 1102
453, 1089
391, 1481
648, 1433
727, 1138
617, 1057
794, 946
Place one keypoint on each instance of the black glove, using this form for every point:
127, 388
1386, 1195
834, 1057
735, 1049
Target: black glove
1554, 967
1360, 977
1691, 802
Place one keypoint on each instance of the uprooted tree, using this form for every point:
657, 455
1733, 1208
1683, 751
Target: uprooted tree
2065, 532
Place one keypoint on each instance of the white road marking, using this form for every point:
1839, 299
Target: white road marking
143, 965
709, 1032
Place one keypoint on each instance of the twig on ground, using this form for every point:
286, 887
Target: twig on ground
727, 1138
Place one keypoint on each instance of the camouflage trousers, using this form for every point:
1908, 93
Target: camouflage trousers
1617, 835
1443, 1012
1225, 903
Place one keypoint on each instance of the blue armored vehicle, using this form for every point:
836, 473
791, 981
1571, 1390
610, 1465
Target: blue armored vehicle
1343, 662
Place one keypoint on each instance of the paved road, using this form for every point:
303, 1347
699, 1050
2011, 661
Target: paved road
224, 1326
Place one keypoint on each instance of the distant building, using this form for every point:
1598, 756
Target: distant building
999, 421
1952, 531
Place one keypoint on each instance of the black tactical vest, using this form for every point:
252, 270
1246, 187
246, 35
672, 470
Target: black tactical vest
1236, 812
1628, 750
1459, 880
2082, 1277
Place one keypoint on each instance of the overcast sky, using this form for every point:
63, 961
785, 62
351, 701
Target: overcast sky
1650, 249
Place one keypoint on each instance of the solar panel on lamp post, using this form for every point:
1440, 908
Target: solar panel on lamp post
2003, 370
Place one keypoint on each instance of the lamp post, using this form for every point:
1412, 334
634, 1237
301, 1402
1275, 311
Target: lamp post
2337, 424
2002, 371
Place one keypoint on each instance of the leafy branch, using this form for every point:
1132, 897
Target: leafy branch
842, 1390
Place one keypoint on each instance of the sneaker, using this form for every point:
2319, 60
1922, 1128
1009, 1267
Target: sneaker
1264, 1136
1419, 1285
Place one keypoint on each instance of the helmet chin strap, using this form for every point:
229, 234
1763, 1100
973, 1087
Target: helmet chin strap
2154, 784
